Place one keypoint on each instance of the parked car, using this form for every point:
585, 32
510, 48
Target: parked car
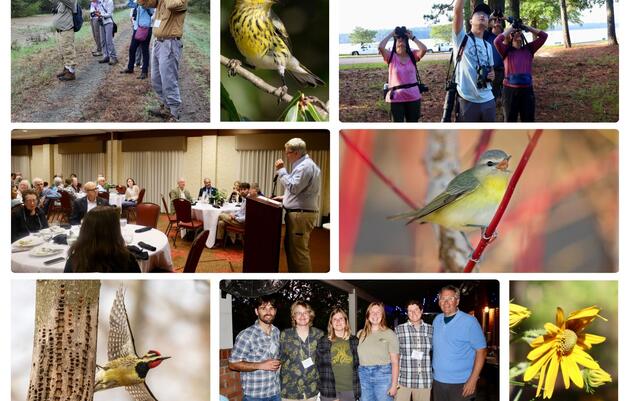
364, 48
440, 47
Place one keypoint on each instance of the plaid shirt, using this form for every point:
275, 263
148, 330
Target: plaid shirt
324, 366
415, 373
253, 345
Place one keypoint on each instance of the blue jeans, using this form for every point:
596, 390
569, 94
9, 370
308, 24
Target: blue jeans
272, 398
375, 382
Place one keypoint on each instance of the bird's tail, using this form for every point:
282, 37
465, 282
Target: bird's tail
410, 216
305, 77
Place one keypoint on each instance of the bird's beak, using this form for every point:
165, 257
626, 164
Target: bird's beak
503, 165
163, 358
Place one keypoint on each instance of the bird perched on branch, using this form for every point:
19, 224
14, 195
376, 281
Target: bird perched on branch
125, 367
262, 38
471, 199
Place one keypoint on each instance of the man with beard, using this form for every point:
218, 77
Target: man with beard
255, 355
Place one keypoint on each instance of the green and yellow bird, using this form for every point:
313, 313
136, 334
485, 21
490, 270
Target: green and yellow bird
262, 38
471, 199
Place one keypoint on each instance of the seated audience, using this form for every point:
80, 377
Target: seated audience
179, 192
100, 246
83, 205
237, 219
254, 190
22, 186
14, 200
235, 196
208, 191
131, 193
101, 184
28, 218
69, 188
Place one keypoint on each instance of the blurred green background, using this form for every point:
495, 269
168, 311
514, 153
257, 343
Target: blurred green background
307, 25
542, 298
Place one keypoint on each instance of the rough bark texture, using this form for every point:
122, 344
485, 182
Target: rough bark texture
64, 344
442, 163
564, 18
610, 22
515, 7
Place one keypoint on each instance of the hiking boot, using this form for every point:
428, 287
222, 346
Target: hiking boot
97, 54
171, 119
104, 60
138, 64
142, 75
62, 73
68, 76
161, 111
113, 61
126, 71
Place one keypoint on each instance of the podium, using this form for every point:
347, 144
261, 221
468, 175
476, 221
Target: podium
263, 227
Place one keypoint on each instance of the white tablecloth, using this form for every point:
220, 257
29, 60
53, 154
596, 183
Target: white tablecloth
210, 217
22, 262
116, 199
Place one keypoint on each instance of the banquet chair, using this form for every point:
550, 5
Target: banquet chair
185, 221
104, 195
147, 214
238, 231
120, 189
196, 250
66, 206
172, 220
131, 210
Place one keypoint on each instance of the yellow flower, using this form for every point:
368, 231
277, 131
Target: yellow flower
518, 313
563, 348
596, 377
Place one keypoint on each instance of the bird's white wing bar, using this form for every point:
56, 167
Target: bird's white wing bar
120, 342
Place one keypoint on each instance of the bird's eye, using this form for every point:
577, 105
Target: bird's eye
490, 163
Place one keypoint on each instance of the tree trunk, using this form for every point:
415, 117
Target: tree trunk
610, 21
564, 18
64, 344
515, 7
497, 5
442, 163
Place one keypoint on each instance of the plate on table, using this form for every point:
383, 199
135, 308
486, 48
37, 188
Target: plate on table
28, 242
44, 251
57, 230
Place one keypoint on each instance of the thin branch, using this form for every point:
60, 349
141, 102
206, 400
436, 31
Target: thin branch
378, 172
270, 89
490, 230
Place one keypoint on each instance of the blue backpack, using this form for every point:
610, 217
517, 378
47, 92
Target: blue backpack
77, 18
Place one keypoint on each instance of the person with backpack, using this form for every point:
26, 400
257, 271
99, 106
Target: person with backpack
105, 11
140, 38
518, 90
403, 86
474, 71
64, 24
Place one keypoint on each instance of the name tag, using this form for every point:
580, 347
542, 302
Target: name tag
307, 363
415, 354
156, 23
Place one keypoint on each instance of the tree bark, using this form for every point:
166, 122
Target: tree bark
610, 21
497, 5
64, 343
442, 164
515, 7
564, 18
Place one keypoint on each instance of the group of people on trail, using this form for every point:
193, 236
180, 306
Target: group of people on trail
163, 19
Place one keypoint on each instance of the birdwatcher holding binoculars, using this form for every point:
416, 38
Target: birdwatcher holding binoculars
404, 87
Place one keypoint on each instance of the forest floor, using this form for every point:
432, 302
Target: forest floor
100, 93
580, 84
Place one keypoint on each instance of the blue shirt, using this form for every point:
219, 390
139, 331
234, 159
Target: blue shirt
254, 345
477, 52
240, 213
496, 56
454, 347
143, 15
301, 187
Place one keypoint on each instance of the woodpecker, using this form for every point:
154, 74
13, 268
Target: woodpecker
125, 367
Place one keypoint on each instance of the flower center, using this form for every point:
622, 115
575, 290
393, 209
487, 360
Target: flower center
568, 339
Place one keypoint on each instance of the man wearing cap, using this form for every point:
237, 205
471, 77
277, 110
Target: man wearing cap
475, 72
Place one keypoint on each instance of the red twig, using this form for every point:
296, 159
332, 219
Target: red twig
378, 172
490, 230
482, 145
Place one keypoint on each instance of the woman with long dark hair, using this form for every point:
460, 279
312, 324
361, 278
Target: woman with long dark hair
100, 246
338, 360
378, 356
403, 86
131, 193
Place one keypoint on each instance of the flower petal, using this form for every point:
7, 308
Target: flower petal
591, 339
552, 328
564, 368
574, 372
584, 359
559, 316
541, 349
588, 312
541, 380
535, 367
550, 380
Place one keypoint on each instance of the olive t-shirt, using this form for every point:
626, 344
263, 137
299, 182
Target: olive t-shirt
376, 347
341, 364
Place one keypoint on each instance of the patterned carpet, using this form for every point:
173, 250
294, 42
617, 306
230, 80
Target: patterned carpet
230, 259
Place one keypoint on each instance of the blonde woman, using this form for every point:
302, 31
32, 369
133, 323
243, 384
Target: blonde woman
338, 361
298, 374
378, 356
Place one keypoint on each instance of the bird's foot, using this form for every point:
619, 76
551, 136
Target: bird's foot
233, 64
491, 238
280, 92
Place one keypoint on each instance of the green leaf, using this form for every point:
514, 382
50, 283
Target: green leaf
311, 113
228, 105
531, 335
293, 103
292, 113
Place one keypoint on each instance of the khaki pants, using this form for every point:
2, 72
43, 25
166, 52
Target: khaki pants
65, 41
298, 227
413, 394
226, 218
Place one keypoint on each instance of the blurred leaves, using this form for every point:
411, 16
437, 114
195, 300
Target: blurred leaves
300, 109
228, 107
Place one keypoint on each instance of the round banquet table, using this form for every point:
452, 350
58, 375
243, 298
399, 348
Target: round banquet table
210, 217
22, 262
